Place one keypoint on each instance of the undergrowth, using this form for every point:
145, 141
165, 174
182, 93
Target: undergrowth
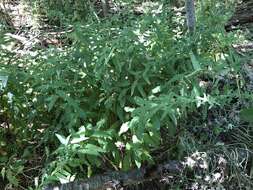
126, 89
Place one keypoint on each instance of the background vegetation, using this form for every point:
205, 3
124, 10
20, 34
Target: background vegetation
86, 90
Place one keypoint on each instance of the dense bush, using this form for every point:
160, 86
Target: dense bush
103, 102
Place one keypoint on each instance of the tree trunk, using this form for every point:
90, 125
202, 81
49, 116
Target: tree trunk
105, 7
190, 15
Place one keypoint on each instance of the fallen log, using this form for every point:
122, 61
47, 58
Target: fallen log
243, 48
243, 15
118, 179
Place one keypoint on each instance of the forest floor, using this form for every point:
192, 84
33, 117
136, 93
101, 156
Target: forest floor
30, 34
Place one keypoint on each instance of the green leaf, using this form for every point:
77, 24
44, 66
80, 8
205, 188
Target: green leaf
122, 97
102, 134
156, 90
156, 122
64, 176
89, 173
149, 140
75, 162
172, 128
94, 160
127, 161
135, 139
128, 146
141, 90
52, 100
79, 139
19, 169
137, 163
124, 128
145, 76
195, 63
134, 86
134, 122
129, 109
247, 115
11, 178
3, 172
62, 139
120, 112
173, 117
91, 150
91, 146
109, 56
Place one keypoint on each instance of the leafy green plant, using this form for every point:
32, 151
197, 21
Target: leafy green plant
134, 89
123, 89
